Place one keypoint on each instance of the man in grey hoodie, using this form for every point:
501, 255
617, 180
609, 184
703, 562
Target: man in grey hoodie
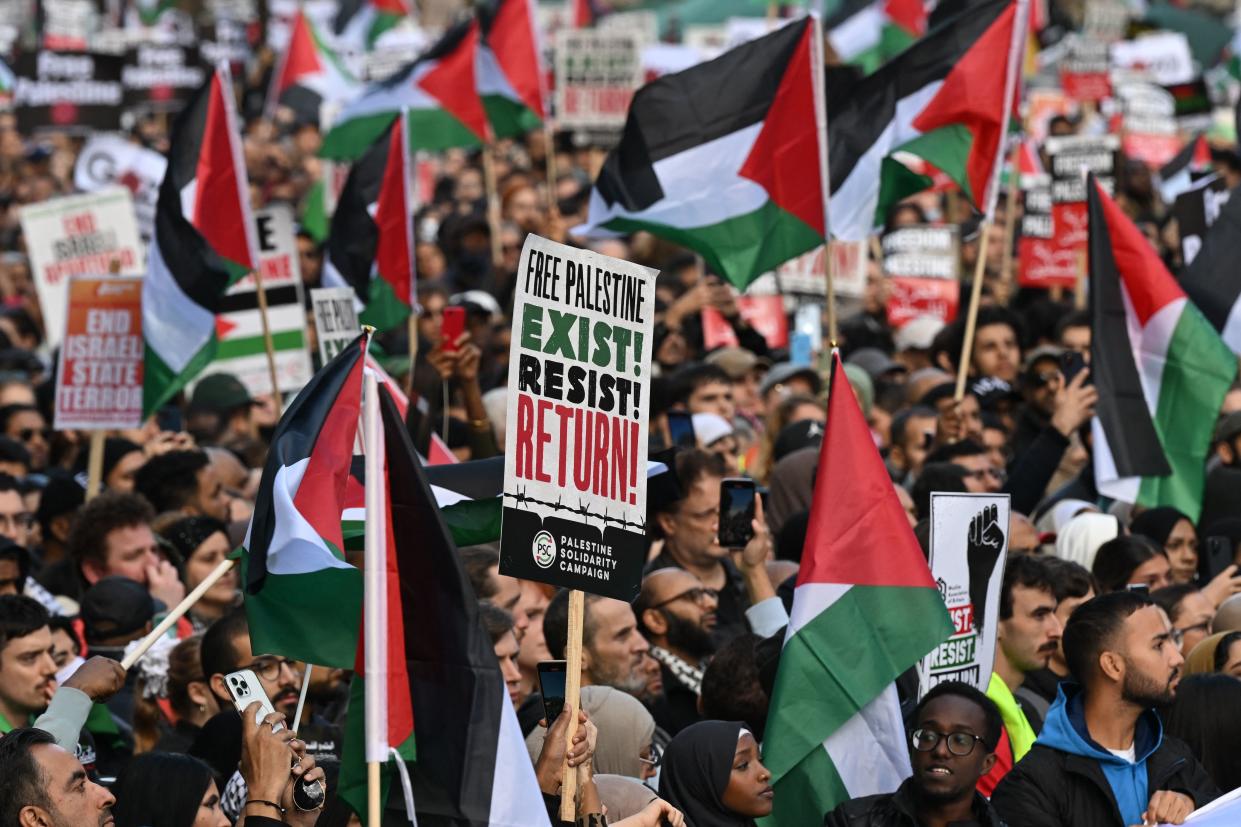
1102, 758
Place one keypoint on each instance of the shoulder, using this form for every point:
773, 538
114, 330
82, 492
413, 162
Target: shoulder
859, 810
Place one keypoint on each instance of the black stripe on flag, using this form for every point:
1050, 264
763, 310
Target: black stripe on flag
1180, 161
1131, 436
686, 109
354, 236
859, 112
454, 678
250, 301
445, 46
479, 479
1213, 280
186, 137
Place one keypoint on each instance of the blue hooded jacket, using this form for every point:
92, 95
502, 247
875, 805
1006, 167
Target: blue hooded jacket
1065, 730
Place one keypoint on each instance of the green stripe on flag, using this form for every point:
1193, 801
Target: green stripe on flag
383, 310
806, 792
509, 118
946, 148
352, 784
277, 614
315, 219
433, 130
473, 522
160, 383
254, 345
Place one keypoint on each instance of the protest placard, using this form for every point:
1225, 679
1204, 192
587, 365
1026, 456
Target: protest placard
161, 78
99, 377
1072, 156
575, 455
77, 235
642, 24
1041, 106
596, 76
1105, 20
336, 319
77, 92
806, 275
109, 160
1195, 210
1148, 123
242, 351
922, 264
1084, 73
1164, 57
969, 543
764, 313
1043, 262
67, 24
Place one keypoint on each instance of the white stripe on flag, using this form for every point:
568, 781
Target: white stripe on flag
1107, 479
869, 750
173, 325
295, 548
515, 797
859, 33
382, 98
810, 600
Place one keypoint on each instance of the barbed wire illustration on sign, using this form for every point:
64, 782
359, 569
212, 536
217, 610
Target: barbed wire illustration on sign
583, 509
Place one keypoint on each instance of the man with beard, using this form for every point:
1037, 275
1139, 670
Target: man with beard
676, 614
1026, 638
955, 729
1102, 757
614, 653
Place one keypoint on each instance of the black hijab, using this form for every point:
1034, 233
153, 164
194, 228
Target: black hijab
696, 768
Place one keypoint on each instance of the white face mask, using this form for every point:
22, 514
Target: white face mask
68, 669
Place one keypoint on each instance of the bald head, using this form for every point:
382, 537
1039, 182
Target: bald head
1228, 616
664, 584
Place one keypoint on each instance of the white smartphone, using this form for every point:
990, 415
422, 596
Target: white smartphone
245, 688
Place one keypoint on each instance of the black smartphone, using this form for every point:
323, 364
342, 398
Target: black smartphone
681, 429
552, 687
1140, 588
736, 512
169, 419
1071, 364
1217, 555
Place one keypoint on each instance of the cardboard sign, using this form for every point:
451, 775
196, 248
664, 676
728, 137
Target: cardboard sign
1163, 56
575, 456
242, 351
77, 92
923, 268
596, 76
336, 319
99, 378
108, 160
1044, 263
806, 275
74, 236
161, 78
763, 313
969, 544
67, 24
1196, 210
1105, 20
1084, 74
1148, 122
1072, 156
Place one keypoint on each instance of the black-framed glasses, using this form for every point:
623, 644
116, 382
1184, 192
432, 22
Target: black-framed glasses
656, 759
269, 668
697, 594
1178, 635
959, 743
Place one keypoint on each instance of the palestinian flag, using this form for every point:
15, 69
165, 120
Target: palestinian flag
510, 68
1212, 280
945, 100
203, 241
309, 73
472, 767
1160, 367
834, 728
370, 247
1176, 176
869, 33
737, 176
440, 92
302, 598
359, 23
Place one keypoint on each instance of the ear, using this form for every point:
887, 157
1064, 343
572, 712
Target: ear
1112, 665
987, 764
667, 523
1224, 450
33, 817
219, 688
655, 621
93, 571
199, 693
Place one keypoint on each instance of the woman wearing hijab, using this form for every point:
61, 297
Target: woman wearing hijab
711, 772
626, 730
1080, 538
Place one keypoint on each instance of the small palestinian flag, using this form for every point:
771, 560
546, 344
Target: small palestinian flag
472, 768
370, 247
440, 92
1178, 175
510, 68
359, 23
1212, 280
303, 600
869, 33
309, 74
946, 100
1160, 367
725, 158
203, 241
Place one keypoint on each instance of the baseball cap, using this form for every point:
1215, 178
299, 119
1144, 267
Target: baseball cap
782, 372
874, 361
220, 392
736, 361
115, 606
709, 427
804, 434
1041, 354
917, 334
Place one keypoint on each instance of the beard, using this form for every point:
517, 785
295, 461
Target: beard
622, 676
1143, 690
688, 637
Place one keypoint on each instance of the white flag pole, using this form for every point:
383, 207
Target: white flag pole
375, 600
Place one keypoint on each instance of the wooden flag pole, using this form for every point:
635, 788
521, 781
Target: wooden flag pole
94, 465
268, 344
1079, 289
172, 617
971, 317
572, 702
493, 202
1010, 222
374, 816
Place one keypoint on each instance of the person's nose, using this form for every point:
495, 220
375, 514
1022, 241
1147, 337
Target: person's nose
1055, 629
710, 602
104, 796
640, 646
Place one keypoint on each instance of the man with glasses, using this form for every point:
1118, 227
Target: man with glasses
676, 615
952, 744
25, 424
1102, 757
1190, 611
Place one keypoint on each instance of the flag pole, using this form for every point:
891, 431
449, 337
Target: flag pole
1010, 219
971, 317
301, 697
820, 125
268, 344
493, 202
572, 701
94, 465
375, 598
172, 617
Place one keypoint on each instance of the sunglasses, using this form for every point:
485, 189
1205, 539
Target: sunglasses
27, 434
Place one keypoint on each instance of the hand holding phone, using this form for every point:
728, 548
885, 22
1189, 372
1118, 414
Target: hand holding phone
452, 328
552, 676
245, 689
736, 512
1071, 364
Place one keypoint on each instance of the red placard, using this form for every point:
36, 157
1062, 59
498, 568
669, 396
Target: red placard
763, 313
909, 298
1151, 149
1046, 264
1086, 86
99, 381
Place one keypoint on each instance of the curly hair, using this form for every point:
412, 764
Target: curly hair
101, 516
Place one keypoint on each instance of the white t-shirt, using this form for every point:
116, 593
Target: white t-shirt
1129, 755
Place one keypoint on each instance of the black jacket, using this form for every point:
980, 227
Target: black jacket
899, 809
1050, 788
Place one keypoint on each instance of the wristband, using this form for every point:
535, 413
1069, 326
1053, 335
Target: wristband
265, 803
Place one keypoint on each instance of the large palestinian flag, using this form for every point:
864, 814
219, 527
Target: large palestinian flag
724, 158
309, 73
203, 241
303, 600
511, 75
370, 247
1160, 367
834, 728
869, 33
472, 767
1212, 280
946, 100
440, 92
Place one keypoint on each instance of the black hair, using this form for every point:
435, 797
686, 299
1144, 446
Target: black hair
9, 483
24, 784
556, 623
496, 621
217, 653
101, 516
956, 450
23, 321
1078, 318
7, 412
1169, 598
1027, 571
64, 623
693, 376
1069, 579
992, 723
731, 690
954, 334
478, 562
13, 451
936, 476
160, 789
20, 616
692, 464
1213, 737
1093, 627
901, 421
170, 481
1221, 649
1119, 557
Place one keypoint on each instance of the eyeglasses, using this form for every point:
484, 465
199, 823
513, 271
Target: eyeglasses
269, 668
708, 514
1178, 635
657, 758
959, 743
697, 594
27, 434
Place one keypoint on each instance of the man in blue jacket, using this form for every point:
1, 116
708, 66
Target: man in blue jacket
1102, 759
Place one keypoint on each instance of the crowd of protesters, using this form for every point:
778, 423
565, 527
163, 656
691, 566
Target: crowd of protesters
1117, 675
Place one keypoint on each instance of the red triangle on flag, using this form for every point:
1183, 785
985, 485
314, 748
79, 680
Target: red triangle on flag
220, 214
393, 256
512, 40
453, 83
223, 326
858, 531
301, 57
440, 453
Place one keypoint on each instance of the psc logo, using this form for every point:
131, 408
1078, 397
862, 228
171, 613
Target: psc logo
544, 548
